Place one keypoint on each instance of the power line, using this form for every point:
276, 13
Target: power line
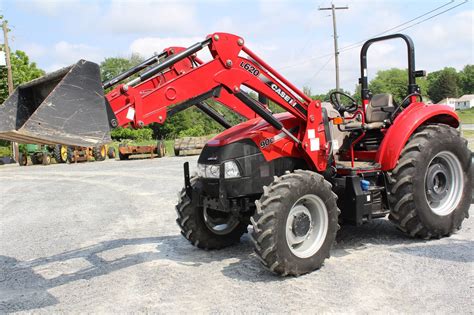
429, 18
399, 25
359, 43
333, 9
318, 71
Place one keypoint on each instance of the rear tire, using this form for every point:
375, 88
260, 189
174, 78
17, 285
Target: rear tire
431, 186
191, 220
60, 153
99, 153
295, 223
35, 159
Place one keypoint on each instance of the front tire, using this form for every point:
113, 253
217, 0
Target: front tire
46, 159
201, 229
23, 159
430, 188
111, 153
295, 223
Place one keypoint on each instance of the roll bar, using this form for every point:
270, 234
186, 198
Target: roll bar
412, 73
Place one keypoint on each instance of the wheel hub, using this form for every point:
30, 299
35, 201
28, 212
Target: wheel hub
301, 224
444, 183
437, 182
307, 226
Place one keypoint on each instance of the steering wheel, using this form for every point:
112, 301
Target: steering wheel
341, 108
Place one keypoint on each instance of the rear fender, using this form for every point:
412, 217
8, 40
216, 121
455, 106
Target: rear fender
405, 124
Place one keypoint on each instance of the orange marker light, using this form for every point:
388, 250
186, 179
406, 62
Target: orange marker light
337, 120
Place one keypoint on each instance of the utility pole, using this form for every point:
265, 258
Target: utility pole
333, 8
16, 153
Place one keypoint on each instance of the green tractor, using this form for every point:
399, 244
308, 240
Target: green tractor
39, 154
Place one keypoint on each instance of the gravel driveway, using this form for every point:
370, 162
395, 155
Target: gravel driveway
101, 237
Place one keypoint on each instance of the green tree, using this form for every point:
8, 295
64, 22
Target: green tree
395, 82
23, 70
443, 83
466, 80
113, 66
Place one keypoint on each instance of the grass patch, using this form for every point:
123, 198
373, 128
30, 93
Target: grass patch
5, 151
468, 133
466, 116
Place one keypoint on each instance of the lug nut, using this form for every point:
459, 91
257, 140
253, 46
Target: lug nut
228, 63
240, 42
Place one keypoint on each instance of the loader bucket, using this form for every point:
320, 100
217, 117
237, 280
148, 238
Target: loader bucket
63, 107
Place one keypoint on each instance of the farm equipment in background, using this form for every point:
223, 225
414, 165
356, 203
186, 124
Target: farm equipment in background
38, 154
293, 176
42, 154
189, 145
84, 154
127, 150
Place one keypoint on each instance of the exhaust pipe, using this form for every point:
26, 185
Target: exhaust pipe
64, 107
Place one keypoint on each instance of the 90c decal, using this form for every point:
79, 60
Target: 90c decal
266, 142
250, 68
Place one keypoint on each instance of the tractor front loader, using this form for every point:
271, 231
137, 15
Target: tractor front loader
294, 176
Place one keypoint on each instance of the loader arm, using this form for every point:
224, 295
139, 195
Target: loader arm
120, 102
233, 67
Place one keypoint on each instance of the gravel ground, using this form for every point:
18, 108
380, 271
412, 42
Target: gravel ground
101, 237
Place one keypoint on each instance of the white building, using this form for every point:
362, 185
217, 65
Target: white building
450, 101
465, 102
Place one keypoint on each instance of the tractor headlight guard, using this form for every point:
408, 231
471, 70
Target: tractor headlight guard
231, 170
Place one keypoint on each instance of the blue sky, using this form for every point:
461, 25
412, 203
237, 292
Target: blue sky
293, 36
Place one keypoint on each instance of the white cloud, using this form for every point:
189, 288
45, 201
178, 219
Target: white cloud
34, 50
151, 16
60, 8
147, 46
64, 53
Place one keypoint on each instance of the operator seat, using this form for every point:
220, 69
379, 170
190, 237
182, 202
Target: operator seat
336, 135
378, 110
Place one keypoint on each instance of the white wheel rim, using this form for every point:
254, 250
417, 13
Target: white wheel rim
307, 226
444, 183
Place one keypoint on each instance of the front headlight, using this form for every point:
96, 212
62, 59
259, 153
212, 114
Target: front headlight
231, 170
209, 170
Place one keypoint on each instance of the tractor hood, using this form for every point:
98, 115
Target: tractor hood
254, 136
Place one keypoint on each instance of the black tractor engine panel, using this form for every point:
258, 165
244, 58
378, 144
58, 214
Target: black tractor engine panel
255, 172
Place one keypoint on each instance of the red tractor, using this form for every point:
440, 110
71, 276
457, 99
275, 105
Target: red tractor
293, 176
